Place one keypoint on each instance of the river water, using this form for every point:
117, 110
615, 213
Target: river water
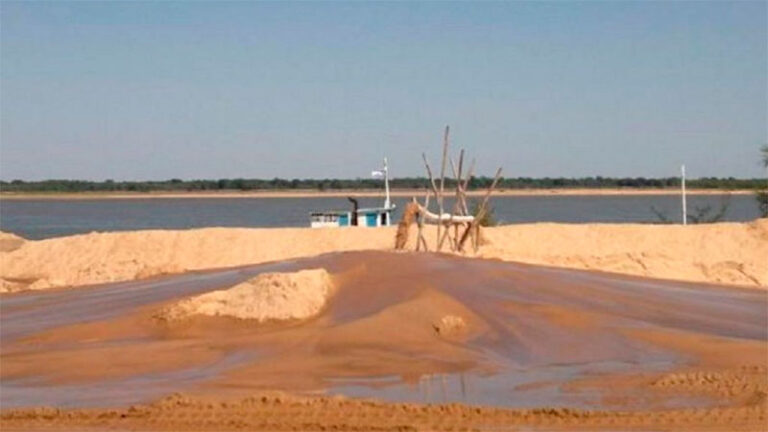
37, 219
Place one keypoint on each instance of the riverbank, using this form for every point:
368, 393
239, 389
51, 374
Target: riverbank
726, 253
313, 193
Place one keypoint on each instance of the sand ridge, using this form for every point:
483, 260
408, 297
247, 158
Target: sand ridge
729, 253
121, 256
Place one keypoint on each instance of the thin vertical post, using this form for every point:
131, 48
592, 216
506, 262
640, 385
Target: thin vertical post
386, 186
421, 222
442, 188
465, 186
685, 204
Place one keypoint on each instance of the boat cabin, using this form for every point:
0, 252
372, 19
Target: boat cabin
371, 217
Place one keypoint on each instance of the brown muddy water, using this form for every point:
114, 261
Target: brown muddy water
38, 219
531, 333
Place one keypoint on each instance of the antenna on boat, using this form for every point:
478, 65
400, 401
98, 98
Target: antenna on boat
386, 184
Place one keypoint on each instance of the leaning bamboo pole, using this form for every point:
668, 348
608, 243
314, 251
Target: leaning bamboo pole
484, 204
447, 231
464, 187
434, 187
474, 225
457, 174
456, 204
429, 175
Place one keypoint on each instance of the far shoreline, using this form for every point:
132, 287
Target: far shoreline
340, 193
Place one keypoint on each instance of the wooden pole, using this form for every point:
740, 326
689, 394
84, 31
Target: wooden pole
463, 198
480, 214
456, 204
476, 238
420, 236
429, 175
442, 187
448, 225
457, 174
455, 239
464, 187
481, 211
418, 225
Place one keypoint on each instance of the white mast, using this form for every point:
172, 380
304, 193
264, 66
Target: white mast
682, 184
386, 184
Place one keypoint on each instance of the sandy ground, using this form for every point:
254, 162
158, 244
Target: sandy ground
281, 412
645, 355
357, 192
729, 253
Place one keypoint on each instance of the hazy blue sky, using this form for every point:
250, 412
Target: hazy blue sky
208, 90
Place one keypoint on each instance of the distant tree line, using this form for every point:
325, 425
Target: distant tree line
240, 184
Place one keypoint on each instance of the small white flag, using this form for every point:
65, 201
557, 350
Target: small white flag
377, 174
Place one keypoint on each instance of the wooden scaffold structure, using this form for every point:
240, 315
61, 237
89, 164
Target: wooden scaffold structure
456, 227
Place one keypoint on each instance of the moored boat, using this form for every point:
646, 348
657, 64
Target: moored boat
361, 217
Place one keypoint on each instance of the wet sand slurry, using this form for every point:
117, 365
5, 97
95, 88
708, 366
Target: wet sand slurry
31, 312
549, 348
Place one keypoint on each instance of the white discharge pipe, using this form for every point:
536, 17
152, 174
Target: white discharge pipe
445, 217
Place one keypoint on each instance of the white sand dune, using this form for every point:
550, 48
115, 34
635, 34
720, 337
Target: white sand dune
120, 256
728, 253
269, 296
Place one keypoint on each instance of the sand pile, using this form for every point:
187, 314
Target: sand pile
449, 325
729, 253
269, 296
